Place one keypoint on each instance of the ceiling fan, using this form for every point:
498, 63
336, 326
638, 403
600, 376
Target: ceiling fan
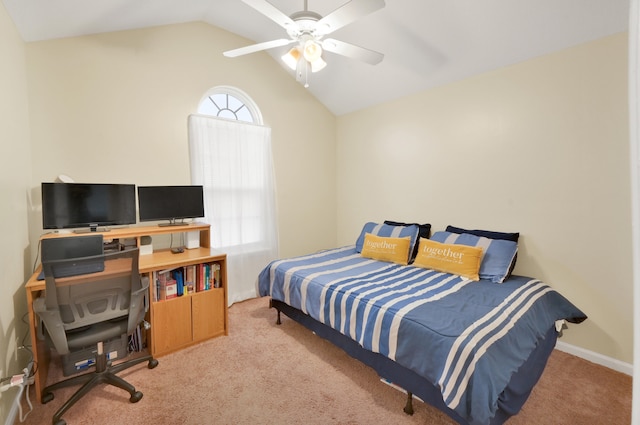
307, 30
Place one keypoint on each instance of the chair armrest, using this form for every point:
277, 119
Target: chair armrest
53, 325
143, 292
138, 304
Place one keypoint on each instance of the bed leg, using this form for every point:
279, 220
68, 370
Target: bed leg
408, 408
278, 321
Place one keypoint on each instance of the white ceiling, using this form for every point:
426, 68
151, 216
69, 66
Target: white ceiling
426, 43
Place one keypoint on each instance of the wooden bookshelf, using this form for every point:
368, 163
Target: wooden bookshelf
203, 313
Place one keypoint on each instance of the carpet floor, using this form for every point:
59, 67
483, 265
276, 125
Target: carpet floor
262, 373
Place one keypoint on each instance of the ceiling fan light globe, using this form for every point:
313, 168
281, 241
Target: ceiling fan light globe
312, 51
291, 58
318, 65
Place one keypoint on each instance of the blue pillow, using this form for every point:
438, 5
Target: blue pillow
424, 231
491, 235
388, 231
498, 255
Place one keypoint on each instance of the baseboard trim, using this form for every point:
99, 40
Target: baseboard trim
597, 358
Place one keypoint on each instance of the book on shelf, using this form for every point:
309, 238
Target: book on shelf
211, 276
177, 275
171, 289
216, 275
190, 279
200, 278
207, 277
160, 278
166, 285
186, 280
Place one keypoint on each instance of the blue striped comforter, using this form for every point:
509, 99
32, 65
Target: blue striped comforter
466, 337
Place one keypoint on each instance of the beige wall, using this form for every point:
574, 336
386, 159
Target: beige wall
540, 147
113, 108
15, 175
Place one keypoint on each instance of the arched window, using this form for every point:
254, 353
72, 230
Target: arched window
229, 103
230, 156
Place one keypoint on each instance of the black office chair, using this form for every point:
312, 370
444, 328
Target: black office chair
81, 313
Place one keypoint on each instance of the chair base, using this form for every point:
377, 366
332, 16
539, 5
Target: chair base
105, 373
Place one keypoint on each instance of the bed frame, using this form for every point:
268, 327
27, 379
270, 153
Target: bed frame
509, 403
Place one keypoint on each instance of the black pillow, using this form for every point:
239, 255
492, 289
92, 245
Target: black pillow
486, 233
424, 231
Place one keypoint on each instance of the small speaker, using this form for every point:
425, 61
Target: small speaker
146, 247
192, 239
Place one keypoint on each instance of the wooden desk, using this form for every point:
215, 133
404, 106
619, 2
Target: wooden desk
203, 315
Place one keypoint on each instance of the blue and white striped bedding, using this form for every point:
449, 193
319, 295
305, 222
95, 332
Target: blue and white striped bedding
466, 337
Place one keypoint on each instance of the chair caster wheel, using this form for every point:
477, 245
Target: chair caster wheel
135, 397
152, 363
60, 422
46, 398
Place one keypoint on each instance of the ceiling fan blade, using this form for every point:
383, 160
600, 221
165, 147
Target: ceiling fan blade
347, 13
352, 51
257, 47
271, 12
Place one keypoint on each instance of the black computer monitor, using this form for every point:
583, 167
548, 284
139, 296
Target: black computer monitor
172, 203
78, 205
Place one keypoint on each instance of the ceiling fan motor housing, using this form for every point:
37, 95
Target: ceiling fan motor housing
306, 22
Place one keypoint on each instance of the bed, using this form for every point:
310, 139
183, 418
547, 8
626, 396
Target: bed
471, 339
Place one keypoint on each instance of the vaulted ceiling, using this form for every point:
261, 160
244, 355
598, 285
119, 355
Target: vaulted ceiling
426, 43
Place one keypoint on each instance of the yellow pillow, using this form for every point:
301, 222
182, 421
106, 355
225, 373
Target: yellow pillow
395, 250
462, 260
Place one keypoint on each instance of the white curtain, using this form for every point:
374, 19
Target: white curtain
232, 160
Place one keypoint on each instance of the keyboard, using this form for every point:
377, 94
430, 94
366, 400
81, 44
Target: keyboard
75, 269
